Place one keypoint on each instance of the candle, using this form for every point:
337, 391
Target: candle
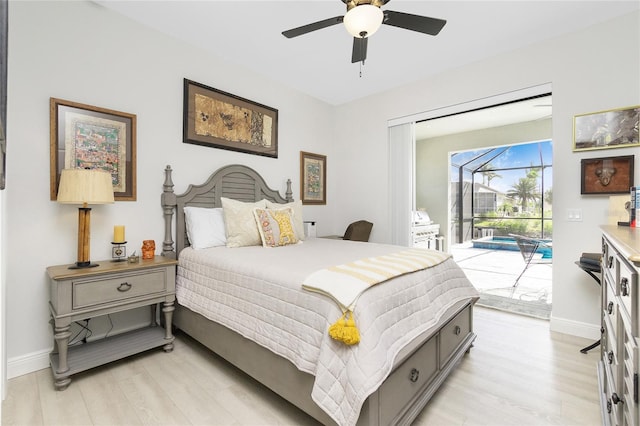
118, 234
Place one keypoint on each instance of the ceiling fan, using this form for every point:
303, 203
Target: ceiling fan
364, 17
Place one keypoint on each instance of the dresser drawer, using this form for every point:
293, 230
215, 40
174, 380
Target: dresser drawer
98, 291
407, 380
610, 303
453, 334
628, 290
609, 261
612, 410
628, 383
610, 355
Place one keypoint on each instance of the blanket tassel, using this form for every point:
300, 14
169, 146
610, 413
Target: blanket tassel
345, 329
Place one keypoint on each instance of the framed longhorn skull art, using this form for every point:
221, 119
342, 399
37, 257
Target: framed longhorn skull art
609, 175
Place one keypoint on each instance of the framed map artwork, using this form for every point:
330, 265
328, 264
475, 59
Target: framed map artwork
88, 137
218, 119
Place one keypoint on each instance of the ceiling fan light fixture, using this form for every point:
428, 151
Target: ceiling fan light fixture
363, 20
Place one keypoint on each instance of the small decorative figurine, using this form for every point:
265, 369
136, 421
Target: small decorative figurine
148, 249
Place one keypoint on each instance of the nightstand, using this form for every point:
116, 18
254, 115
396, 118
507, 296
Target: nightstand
78, 294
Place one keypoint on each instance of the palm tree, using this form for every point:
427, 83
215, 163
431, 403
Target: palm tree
533, 173
525, 190
488, 173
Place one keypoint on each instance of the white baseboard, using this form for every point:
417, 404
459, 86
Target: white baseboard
35, 361
26, 364
575, 328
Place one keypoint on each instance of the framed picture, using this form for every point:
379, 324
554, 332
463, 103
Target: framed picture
610, 175
313, 178
85, 136
615, 128
221, 120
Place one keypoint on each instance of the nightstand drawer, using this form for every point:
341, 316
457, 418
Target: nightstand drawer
119, 287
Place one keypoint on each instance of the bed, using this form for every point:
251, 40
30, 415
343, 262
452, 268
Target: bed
414, 329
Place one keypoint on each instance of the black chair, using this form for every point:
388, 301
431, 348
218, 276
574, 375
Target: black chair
590, 263
528, 248
358, 231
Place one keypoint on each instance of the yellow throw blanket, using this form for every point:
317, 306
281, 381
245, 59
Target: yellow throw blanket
345, 283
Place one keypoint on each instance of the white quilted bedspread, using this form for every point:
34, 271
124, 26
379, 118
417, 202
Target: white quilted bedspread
257, 292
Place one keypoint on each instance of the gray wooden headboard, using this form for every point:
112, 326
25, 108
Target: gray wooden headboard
236, 181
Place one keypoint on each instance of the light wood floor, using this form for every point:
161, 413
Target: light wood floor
518, 373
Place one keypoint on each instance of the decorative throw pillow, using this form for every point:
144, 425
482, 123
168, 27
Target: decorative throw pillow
275, 227
296, 206
240, 223
205, 227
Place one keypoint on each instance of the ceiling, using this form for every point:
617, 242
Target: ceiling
248, 34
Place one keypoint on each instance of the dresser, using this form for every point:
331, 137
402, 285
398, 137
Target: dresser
80, 294
618, 365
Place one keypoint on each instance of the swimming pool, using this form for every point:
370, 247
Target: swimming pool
507, 243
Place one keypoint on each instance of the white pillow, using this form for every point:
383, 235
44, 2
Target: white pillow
296, 206
275, 227
240, 223
205, 227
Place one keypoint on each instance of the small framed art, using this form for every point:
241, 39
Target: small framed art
221, 120
615, 128
313, 178
85, 136
608, 175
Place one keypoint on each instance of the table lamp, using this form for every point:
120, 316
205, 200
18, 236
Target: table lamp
85, 186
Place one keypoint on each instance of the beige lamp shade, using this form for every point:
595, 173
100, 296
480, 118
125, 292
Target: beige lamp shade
85, 186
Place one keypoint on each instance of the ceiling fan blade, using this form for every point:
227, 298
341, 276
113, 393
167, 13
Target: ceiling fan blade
359, 49
295, 32
408, 21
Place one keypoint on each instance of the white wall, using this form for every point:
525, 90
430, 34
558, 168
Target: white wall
81, 52
591, 70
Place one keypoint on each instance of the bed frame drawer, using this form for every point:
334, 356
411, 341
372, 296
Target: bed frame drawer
407, 380
453, 334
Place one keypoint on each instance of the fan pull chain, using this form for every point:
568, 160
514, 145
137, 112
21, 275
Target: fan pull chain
361, 64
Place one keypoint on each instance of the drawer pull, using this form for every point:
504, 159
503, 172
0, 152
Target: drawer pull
610, 357
457, 330
414, 375
616, 399
124, 287
610, 308
610, 262
624, 286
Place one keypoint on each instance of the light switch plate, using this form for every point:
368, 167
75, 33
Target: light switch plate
574, 215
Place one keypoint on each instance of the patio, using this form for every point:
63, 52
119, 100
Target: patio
493, 273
